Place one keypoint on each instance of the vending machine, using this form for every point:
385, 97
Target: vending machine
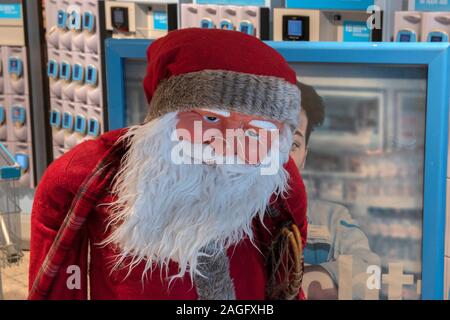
435, 19
324, 25
15, 103
252, 20
75, 33
338, 20
141, 19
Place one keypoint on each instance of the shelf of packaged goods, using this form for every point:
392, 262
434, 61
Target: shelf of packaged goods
396, 203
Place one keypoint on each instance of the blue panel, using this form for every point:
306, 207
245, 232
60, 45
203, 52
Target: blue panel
91, 75
15, 66
356, 31
116, 51
434, 55
406, 36
18, 115
9, 173
80, 124
67, 122
435, 182
61, 19
330, 4
23, 160
94, 127
437, 36
2, 115
226, 25
432, 5
88, 21
160, 20
11, 11
246, 27
55, 119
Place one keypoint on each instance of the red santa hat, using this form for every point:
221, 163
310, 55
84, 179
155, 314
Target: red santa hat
220, 69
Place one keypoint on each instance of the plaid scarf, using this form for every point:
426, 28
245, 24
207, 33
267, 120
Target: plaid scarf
84, 202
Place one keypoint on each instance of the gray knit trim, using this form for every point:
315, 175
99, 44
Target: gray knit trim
265, 96
215, 281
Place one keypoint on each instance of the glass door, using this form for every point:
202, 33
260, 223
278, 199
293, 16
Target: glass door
364, 176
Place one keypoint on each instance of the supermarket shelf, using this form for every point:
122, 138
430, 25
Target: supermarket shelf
397, 203
333, 175
351, 175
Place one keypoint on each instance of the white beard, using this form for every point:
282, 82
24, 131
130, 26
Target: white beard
168, 212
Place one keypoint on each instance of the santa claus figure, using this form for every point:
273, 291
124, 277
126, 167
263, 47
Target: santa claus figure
201, 201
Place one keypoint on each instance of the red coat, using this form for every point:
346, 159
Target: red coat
66, 222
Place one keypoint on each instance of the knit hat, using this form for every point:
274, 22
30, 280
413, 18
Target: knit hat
219, 69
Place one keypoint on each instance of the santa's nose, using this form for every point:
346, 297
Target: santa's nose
231, 139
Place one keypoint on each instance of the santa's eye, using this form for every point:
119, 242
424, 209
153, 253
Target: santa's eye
211, 119
252, 133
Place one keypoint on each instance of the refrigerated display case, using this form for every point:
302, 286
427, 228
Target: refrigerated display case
377, 166
368, 157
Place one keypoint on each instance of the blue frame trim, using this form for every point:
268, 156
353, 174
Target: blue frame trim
116, 52
436, 56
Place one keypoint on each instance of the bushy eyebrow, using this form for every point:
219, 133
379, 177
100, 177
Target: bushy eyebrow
298, 133
225, 114
263, 124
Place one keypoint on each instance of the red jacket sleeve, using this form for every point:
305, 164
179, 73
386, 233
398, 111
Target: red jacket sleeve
52, 201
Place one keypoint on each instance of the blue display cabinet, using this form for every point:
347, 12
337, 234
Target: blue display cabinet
376, 168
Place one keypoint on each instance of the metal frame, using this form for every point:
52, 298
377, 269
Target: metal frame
34, 37
435, 56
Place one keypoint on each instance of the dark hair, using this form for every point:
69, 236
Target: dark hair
314, 108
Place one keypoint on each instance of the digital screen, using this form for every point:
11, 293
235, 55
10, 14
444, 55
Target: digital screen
61, 17
74, 18
405, 38
436, 39
79, 123
226, 26
22, 160
118, 16
13, 64
66, 120
295, 28
92, 126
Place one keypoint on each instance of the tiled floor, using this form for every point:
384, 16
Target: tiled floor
15, 280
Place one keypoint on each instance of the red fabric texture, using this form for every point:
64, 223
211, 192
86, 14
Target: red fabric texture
195, 49
50, 268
